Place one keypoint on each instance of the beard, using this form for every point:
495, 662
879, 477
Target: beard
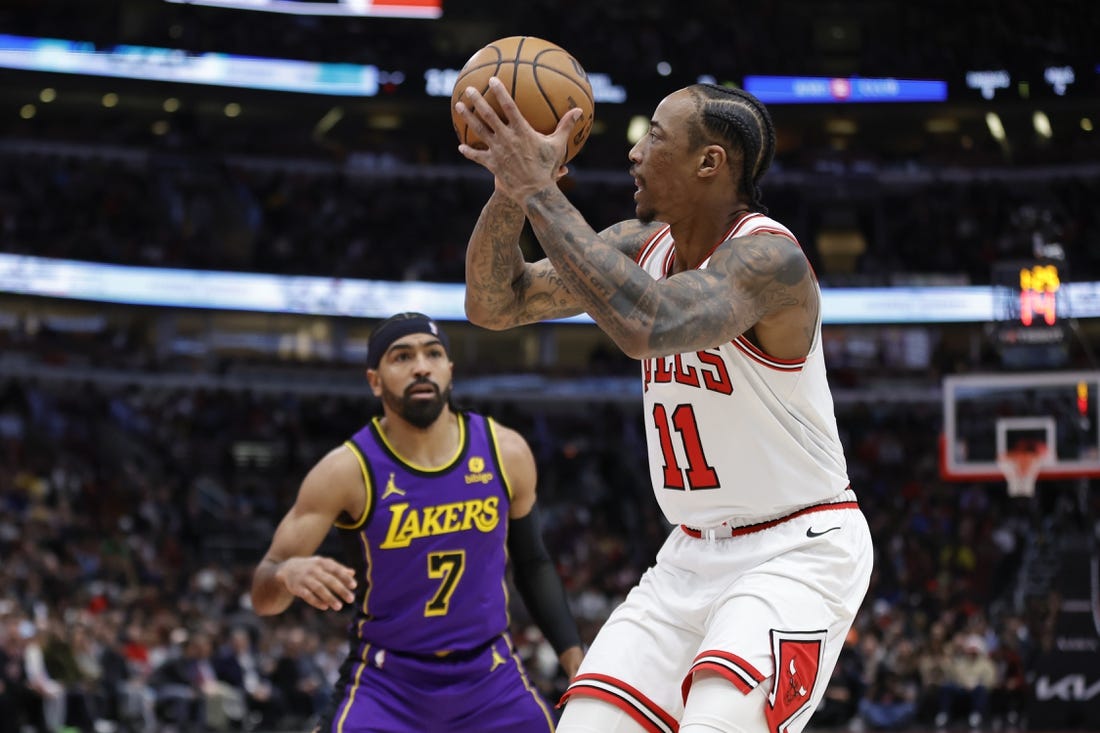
645, 214
418, 412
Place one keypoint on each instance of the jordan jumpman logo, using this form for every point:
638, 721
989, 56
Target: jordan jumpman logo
391, 488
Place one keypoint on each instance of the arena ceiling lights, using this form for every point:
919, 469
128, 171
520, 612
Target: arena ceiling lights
174, 65
326, 296
359, 8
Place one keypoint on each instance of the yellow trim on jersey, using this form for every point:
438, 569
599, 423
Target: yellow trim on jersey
499, 458
491, 424
369, 565
368, 500
354, 688
424, 469
527, 683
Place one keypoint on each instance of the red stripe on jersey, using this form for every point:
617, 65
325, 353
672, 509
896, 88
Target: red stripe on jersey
725, 238
781, 232
735, 230
646, 249
791, 237
759, 352
750, 350
740, 673
788, 235
666, 268
647, 713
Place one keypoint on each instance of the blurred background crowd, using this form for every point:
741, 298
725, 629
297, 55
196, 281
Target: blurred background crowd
142, 473
132, 516
86, 203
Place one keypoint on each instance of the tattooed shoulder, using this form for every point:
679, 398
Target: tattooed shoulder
764, 259
629, 236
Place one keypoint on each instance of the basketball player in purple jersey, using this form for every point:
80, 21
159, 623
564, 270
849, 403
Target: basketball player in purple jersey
431, 502
739, 623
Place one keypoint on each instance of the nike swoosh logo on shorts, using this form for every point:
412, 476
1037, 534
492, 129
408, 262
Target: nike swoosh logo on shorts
810, 531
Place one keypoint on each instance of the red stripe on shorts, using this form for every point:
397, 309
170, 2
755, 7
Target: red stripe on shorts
743, 675
644, 711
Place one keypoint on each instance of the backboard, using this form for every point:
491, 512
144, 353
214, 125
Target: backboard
987, 415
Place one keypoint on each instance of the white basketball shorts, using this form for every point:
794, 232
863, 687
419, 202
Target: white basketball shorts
770, 605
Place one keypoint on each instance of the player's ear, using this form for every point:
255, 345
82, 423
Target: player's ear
374, 382
713, 160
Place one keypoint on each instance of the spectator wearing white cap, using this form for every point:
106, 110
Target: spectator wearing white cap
971, 676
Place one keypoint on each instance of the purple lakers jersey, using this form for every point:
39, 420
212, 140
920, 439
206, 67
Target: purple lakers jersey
430, 545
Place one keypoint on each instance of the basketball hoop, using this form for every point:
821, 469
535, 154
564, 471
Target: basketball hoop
1021, 467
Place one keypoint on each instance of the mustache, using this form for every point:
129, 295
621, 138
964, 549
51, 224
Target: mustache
420, 382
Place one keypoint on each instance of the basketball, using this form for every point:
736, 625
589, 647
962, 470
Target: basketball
544, 79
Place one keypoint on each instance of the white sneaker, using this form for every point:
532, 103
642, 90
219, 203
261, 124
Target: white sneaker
975, 720
941, 720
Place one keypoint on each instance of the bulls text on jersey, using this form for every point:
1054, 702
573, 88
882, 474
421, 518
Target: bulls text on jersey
703, 369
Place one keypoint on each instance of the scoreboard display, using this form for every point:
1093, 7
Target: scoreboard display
1030, 308
1037, 294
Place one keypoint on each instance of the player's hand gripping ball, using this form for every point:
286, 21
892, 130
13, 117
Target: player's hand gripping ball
544, 80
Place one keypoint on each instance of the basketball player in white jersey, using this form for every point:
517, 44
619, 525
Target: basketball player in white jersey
739, 623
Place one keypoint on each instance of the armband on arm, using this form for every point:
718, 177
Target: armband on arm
538, 583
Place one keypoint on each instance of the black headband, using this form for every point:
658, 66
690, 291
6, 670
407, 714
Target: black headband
399, 326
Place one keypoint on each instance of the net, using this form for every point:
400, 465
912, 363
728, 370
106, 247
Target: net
1021, 467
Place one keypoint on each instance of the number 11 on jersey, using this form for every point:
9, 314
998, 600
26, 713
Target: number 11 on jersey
699, 473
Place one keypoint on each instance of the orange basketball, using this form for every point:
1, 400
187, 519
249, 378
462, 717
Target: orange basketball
544, 79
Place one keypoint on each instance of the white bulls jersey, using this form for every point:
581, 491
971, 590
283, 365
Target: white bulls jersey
732, 432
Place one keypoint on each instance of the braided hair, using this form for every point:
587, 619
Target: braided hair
741, 121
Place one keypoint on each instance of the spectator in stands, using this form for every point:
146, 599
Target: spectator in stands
891, 701
972, 676
39, 680
126, 697
1009, 698
223, 704
80, 655
13, 689
238, 665
934, 668
844, 693
179, 701
298, 679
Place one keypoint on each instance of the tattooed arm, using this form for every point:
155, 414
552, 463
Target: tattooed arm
760, 281
503, 290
